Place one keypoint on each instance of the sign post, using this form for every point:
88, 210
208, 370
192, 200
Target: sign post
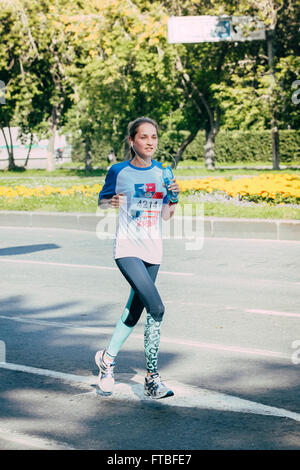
194, 29
274, 128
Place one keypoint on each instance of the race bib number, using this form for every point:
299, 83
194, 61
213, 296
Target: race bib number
144, 204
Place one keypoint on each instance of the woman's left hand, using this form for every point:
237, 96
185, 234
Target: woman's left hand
174, 186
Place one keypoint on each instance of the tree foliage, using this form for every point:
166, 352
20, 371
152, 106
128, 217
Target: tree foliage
88, 68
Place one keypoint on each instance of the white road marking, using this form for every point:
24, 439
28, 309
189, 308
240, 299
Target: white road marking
205, 237
230, 307
89, 380
82, 266
84, 393
272, 312
186, 396
175, 273
194, 397
87, 329
254, 240
177, 341
223, 347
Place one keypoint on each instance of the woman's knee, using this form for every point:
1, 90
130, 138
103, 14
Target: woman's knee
132, 318
157, 311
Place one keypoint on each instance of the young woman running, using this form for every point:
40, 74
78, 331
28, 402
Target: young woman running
136, 188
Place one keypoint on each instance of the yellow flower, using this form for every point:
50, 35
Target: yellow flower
263, 186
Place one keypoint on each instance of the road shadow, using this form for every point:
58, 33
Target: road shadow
65, 412
50, 409
25, 249
57, 329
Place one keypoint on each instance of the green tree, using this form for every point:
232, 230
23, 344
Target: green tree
130, 72
90, 68
240, 85
34, 63
258, 94
16, 54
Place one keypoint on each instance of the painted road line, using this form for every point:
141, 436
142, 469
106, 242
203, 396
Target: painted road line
53, 324
81, 266
223, 347
172, 273
177, 341
249, 240
186, 396
168, 273
194, 397
272, 312
81, 379
230, 307
111, 236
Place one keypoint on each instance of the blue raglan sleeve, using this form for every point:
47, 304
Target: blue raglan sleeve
109, 187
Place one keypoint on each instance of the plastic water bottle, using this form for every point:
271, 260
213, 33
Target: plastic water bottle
167, 177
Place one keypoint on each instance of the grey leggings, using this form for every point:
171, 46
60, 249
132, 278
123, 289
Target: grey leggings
141, 276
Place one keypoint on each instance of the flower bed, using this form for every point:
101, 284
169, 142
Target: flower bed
270, 188
22, 191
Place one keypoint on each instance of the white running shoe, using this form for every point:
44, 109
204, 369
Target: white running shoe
155, 388
106, 379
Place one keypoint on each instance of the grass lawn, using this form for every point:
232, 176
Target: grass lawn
81, 203
67, 177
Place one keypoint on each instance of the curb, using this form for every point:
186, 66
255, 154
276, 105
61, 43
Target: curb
214, 227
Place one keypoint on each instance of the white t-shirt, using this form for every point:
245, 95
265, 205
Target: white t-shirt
139, 231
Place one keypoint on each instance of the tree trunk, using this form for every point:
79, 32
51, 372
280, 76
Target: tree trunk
88, 156
11, 160
51, 142
10, 149
275, 146
29, 150
209, 147
183, 146
11, 157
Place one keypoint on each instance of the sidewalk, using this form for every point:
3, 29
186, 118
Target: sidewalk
265, 229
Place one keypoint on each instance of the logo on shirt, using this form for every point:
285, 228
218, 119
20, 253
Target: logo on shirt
147, 190
146, 204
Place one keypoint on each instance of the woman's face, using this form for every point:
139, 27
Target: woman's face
145, 141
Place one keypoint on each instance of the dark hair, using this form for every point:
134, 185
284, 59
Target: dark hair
133, 129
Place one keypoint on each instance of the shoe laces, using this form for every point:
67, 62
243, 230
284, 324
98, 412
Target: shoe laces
108, 367
154, 380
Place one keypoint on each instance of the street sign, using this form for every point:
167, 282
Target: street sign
193, 29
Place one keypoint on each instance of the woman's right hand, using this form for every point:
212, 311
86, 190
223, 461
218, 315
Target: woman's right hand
117, 200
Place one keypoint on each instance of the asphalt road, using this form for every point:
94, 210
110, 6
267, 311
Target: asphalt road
230, 346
